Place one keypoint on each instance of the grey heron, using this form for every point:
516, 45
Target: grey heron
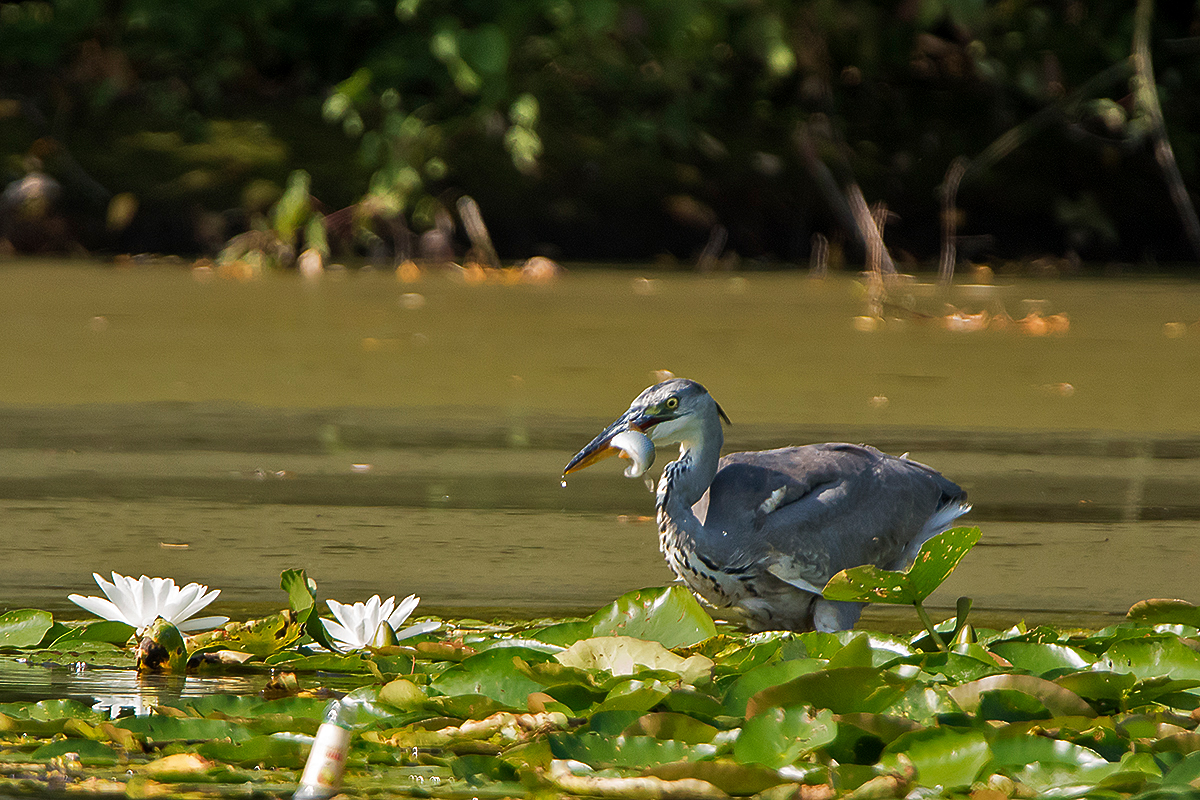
762, 532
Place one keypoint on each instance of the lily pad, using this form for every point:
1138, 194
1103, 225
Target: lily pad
267, 751
943, 756
1058, 701
1162, 611
668, 615
763, 677
600, 751
160, 729
493, 674
935, 561
1152, 658
24, 627
1039, 658
91, 754
843, 690
623, 655
728, 776
778, 737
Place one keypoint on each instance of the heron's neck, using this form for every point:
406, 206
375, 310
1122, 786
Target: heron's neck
681, 534
686, 479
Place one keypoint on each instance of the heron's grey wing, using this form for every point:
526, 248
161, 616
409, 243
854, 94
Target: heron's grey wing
805, 513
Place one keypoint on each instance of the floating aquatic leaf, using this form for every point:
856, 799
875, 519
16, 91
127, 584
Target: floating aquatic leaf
842, 690
161, 729
668, 615
600, 751
623, 655
728, 776
669, 725
635, 695
1057, 700
1039, 658
107, 631
492, 674
778, 737
92, 754
1185, 773
1098, 685
24, 627
1152, 658
1159, 612
943, 756
268, 751
935, 561
764, 677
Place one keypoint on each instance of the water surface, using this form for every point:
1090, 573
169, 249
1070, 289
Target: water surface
388, 443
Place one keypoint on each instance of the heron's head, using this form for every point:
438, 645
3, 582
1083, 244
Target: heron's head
669, 412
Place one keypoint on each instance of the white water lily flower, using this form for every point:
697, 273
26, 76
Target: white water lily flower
357, 625
139, 602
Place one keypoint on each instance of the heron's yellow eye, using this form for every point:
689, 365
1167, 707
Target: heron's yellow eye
672, 403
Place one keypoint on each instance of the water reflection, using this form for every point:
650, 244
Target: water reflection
115, 692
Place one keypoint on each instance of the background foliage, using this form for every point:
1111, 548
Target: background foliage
596, 128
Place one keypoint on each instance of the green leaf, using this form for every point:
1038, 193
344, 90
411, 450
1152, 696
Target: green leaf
1058, 701
1165, 612
1048, 763
269, 751
1152, 658
843, 690
301, 589
1038, 658
778, 737
24, 627
492, 674
110, 631
668, 615
943, 756
635, 695
763, 677
670, 725
1185, 773
263, 637
158, 729
91, 754
602, 752
623, 655
934, 562
1097, 685
729, 777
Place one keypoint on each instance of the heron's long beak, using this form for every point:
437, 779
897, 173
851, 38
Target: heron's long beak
602, 446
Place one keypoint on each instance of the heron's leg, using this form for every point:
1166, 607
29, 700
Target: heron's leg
835, 615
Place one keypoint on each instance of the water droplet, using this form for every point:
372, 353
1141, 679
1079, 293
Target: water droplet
564, 483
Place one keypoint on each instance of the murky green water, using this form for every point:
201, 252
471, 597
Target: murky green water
400, 438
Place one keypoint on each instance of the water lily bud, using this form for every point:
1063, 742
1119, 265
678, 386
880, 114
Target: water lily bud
161, 649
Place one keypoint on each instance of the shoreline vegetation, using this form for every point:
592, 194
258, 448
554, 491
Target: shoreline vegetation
709, 135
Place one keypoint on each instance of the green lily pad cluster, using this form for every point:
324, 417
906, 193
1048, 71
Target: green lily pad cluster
647, 698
